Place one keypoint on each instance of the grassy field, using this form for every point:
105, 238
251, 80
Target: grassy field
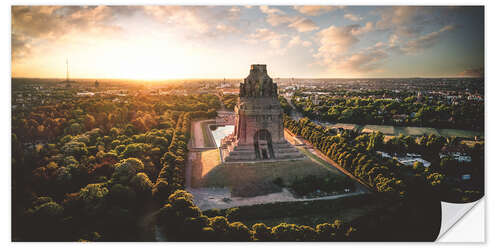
460, 133
317, 159
419, 131
236, 174
305, 213
415, 131
388, 130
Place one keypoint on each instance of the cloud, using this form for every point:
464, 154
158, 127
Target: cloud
199, 21
352, 17
226, 28
33, 24
316, 10
266, 10
425, 41
363, 61
334, 50
276, 16
277, 42
358, 30
266, 35
21, 46
410, 21
402, 19
306, 43
54, 21
393, 40
234, 12
296, 41
335, 41
37, 26
189, 17
303, 25
472, 72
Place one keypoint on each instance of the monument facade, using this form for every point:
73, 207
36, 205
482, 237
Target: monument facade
258, 132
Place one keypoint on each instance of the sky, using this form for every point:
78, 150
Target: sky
170, 42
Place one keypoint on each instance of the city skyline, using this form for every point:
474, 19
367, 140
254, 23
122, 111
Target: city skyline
172, 42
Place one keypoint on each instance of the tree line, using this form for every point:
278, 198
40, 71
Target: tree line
356, 153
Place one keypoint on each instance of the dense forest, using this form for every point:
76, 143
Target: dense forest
89, 168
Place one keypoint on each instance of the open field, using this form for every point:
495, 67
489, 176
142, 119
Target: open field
237, 174
415, 131
460, 133
311, 212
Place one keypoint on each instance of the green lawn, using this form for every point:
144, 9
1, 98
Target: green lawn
415, 131
236, 174
460, 133
305, 213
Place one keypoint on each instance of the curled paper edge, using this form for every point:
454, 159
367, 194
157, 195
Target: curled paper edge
451, 213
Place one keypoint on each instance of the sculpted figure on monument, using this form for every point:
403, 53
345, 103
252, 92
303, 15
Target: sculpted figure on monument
248, 89
267, 89
258, 84
242, 90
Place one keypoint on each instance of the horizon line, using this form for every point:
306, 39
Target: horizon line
219, 78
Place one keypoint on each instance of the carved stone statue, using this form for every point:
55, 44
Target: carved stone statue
242, 90
258, 83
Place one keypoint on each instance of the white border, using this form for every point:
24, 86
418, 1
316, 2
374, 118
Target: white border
492, 103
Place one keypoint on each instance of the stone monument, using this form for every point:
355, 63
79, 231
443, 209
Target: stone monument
258, 132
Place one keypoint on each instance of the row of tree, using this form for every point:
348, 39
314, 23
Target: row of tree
357, 154
181, 220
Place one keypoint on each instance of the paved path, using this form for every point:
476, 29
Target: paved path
198, 139
220, 198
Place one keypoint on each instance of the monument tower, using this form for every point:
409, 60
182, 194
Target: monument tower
258, 132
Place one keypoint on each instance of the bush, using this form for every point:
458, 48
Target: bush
262, 232
237, 231
161, 190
